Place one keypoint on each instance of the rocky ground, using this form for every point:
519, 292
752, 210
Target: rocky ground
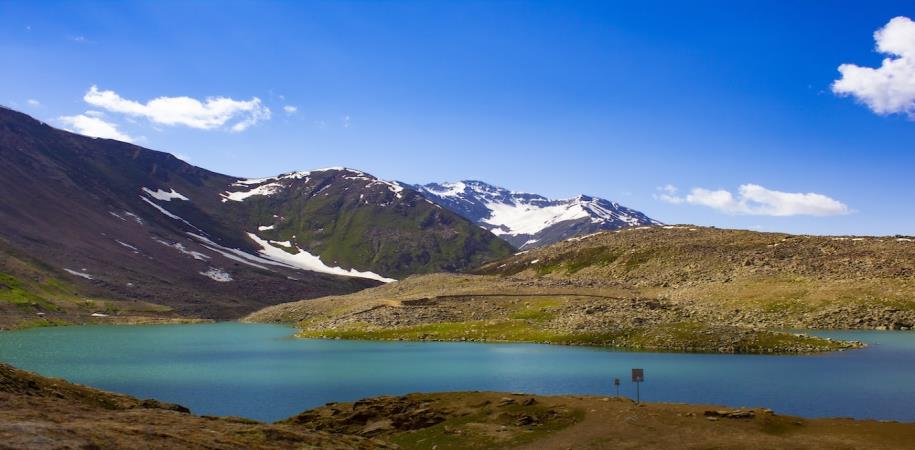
676, 288
44, 413
490, 420
481, 308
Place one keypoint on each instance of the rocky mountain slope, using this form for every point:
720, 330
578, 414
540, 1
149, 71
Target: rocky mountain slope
763, 278
531, 220
111, 227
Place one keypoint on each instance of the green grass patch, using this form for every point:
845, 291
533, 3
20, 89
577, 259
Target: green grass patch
575, 261
478, 431
478, 330
636, 259
13, 290
40, 323
685, 337
539, 310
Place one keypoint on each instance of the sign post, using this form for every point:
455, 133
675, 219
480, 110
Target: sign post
616, 382
638, 376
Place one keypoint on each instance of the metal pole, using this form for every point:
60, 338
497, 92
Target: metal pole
638, 397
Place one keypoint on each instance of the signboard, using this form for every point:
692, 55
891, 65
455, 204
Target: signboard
638, 375
616, 381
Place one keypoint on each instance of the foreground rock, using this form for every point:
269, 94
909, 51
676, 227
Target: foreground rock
38, 412
518, 421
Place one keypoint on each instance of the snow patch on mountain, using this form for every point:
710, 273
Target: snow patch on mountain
520, 218
265, 189
133, 216
530, 220
135, 250
272, 185
79, 274
217, 274
304, 260
181, 248
393, 186
166, 212
166, 196
233, 253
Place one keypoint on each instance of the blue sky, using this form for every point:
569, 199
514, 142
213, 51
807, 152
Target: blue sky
611, 99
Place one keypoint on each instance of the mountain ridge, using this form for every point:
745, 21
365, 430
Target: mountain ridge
528, 220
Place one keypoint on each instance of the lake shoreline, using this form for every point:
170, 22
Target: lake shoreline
39, 411
111, 320
785, 343
803, 342
276, 373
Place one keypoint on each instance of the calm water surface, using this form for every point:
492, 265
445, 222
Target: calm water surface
259, 371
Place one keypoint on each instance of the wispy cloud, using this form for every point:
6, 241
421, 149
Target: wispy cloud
347, 121
753, 199
33, 103
890, 88
668, 193
94, 126
212, 113
290, 109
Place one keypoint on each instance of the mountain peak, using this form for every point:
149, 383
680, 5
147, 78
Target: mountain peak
529, 220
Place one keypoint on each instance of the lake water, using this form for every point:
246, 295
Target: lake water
259, 371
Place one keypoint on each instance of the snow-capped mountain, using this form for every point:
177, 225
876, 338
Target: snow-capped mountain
358, 225
103, 219
529, 220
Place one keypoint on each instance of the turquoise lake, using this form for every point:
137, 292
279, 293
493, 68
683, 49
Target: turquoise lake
259, 371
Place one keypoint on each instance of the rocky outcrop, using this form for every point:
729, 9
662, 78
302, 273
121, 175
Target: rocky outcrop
44, 413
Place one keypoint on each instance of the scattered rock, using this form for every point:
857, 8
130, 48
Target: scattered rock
505, 401
731, 414
525, 420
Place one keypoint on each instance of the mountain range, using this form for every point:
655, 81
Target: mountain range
98, 226
529, 220
92, 226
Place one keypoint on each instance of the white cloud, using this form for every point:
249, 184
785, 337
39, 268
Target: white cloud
214, 112
94, 127
668, 193
290, 109
346, 121
890, 88
33, 102
753, 199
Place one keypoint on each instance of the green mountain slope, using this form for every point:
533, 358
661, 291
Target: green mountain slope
354, 220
